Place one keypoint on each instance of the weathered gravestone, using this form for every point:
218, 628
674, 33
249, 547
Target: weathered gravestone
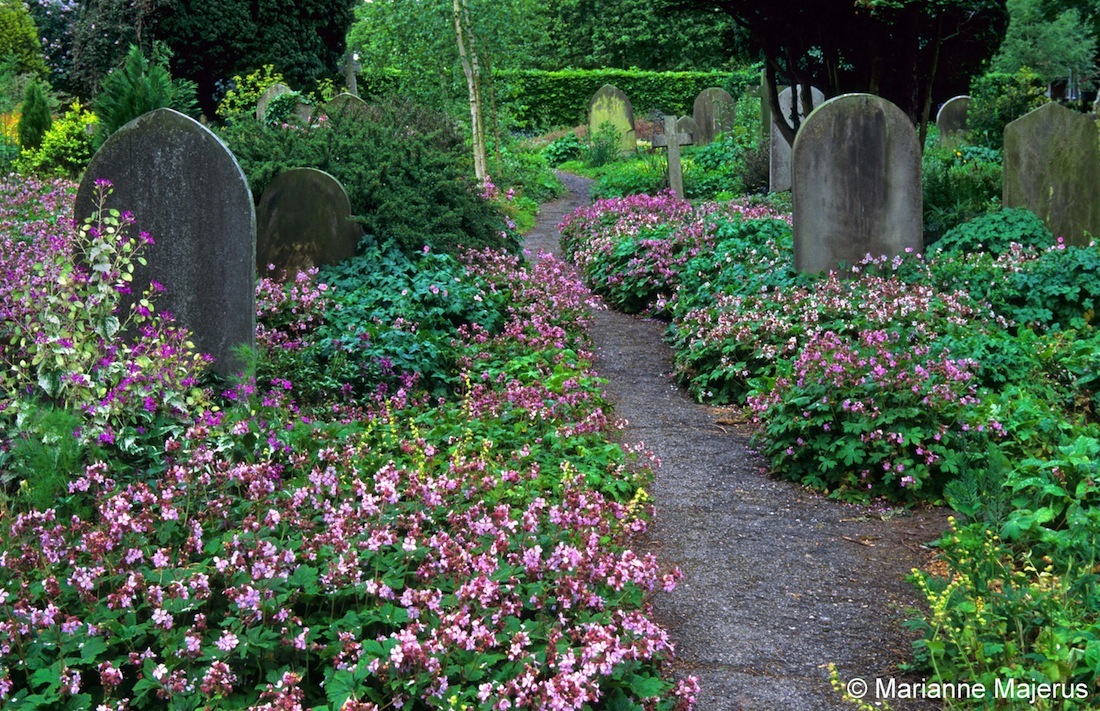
713, 112
609, 105
304, 220
951, 119
346, 105
779, 159
687, 125
855, 183
672, 139
266, 97
187, 191
1052, 167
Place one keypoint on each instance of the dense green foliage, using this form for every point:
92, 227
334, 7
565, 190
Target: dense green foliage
405, 168
137, 87
999, 99
19, 37
959, 182
1053, 47
36, 118
66, 148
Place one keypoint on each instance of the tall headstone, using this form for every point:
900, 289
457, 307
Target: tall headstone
1052, 167
187, 191
855, 183
266, 97
304, 220
686, 124
610, 105
713, 112
951, 119
779, 160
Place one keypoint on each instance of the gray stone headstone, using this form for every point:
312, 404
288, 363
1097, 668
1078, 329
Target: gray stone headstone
779, 159
187, 191
951, 119
346, 105
713, 112
266, 97
304, 220
686, 124
855, 183
1052, 167
610, 105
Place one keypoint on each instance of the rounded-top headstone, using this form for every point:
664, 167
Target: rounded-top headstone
266, 97
779, 153
856, 184
713, 112
1052, 167
188, 192
346, 105
686, 124
304, 220
951, 118
610, 105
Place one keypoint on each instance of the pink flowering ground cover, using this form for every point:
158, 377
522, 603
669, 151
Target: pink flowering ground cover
238, 548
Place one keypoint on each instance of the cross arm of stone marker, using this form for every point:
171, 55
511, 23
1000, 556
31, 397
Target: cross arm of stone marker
675, 172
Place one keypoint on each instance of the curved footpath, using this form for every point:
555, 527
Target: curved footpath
778, 581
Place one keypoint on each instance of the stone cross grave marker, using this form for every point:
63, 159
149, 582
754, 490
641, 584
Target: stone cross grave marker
610, 105
187, 191
855, 184
672, 139
1052, 167
304, 220
951, 119
713, 113
779, 159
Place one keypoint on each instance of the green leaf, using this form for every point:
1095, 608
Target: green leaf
646, 686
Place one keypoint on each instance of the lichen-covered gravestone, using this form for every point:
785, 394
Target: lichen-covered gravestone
951, 119
187, 191
266, 97
1052, 167
855, 183
779, 159
686, 124
713, 112
609, 105
304, 220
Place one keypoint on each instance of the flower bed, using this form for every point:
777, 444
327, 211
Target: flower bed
353, 550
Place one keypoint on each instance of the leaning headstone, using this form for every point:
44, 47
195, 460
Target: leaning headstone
1052, 167
686, 124
346, 105
609, 105
304, 220
779, 160
266, 97
951, 119
187, 191
855, 184
713, 112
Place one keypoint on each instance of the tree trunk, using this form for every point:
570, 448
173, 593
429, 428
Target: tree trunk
468, 55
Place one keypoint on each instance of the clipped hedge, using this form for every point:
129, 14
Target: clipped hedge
541, 99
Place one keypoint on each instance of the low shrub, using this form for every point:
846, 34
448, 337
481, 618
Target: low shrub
959, 183
995, 233
66, 148
568, 147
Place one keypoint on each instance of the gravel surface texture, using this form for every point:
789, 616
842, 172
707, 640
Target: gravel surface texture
778, 580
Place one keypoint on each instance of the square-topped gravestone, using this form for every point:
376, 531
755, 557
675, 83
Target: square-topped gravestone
187, 191
856, 184
304, 220
1052, 167
779, 159
951, 119
713, 112
610, 105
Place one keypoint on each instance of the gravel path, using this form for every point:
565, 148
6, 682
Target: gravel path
778, 581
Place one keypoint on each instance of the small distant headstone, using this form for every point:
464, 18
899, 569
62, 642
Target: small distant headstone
951, 119
779, 161
187, 191
1052, 167
304, 220
855, 183
713, 112
266, 97
687, 125
610, 105
346, 105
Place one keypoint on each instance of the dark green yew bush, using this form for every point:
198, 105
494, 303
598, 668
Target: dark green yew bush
994, 233
406, 169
